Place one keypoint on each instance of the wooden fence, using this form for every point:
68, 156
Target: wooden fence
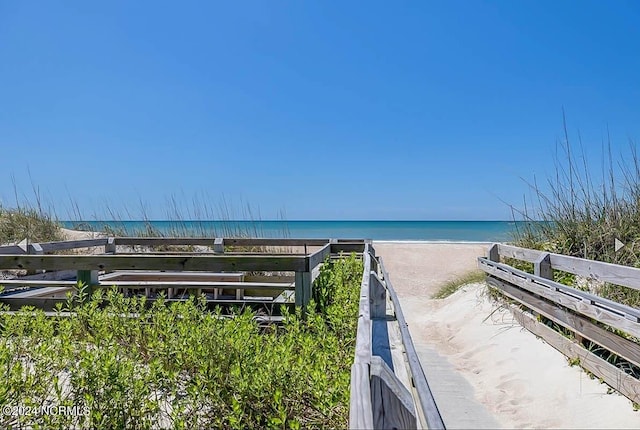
597, 324
212, 268
388, 386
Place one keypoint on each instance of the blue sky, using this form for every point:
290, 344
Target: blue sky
323, 110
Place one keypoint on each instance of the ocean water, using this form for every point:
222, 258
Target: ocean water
446, 231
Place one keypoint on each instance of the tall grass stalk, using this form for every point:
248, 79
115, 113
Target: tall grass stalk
186, 218
580, 215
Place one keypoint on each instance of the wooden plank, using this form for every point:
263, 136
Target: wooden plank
209, 253
494, 253
218, 245
110, 246
216, 263
597, 270
398, 354
197, 285
209, 241
518, 253
143, 275
542, 267
620, 346
427, 402
303, 288
583, 303
274, 242
363, 334
346, 247
360, 413
318, 257
58, 275
12, 249
34, 283
72, 244
380, 346
377, 296
88, 279
35, 248
263, 278
391, 403
614, 377
631, 313
164, 241
41, 292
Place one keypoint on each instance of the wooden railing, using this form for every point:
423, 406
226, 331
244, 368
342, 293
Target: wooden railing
607, 324
224, 257
388, 385
379, 396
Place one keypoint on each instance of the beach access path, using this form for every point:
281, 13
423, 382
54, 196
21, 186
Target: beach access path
484, 370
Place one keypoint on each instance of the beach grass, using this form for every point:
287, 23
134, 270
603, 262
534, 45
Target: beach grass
582, 214
455, 284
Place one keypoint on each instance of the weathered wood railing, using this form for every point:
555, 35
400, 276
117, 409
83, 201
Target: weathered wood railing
587, 315
223, 258
379, 396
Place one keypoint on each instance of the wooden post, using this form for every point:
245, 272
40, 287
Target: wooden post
494, 253
372, 250
377, 297
218, 245
110, 247
35, 248
303, 288
88, 278
374, 265
542, 267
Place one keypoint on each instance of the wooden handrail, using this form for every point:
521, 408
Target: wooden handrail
597, 270
427, 402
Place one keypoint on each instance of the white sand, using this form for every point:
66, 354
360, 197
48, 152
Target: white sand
80, 235
484, 369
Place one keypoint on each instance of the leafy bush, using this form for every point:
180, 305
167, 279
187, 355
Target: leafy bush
123, 363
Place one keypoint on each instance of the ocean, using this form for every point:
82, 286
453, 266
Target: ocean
438, 231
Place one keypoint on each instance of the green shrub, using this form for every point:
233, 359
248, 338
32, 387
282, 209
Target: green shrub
128, 364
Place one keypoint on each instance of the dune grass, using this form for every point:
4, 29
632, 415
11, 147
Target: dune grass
455, 284
17, 224
581, 213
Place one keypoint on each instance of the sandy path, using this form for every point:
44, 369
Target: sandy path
485, 370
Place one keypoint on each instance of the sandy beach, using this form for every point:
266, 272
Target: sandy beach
484, 369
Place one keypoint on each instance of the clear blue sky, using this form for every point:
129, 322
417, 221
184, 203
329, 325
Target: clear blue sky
326, 109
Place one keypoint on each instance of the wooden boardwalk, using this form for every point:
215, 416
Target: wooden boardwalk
416, 279
389, 388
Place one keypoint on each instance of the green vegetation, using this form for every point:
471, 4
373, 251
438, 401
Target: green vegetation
186, 218
124, 364
29, 223
454, 285
583, 215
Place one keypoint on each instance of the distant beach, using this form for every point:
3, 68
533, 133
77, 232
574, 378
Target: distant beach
422, 231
